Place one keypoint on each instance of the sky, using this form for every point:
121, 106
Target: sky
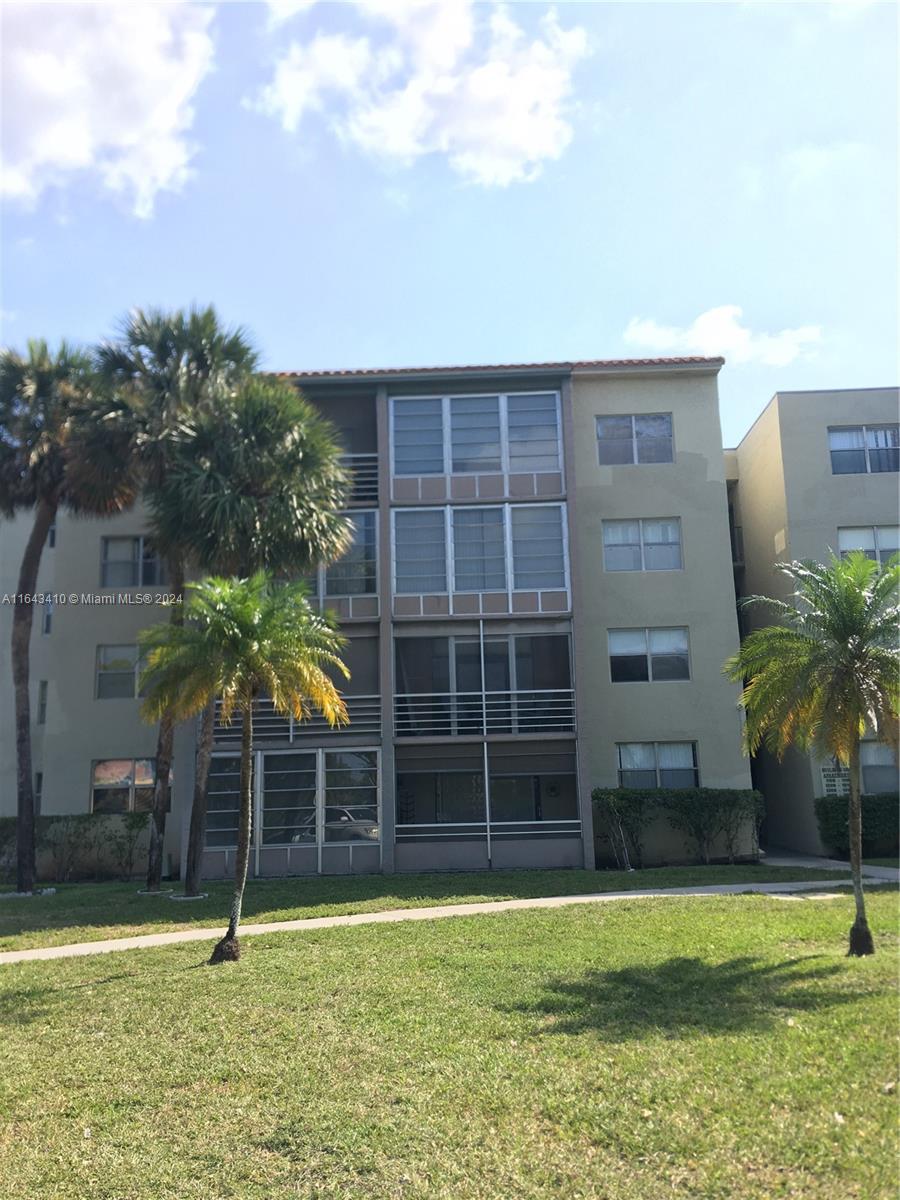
431, 182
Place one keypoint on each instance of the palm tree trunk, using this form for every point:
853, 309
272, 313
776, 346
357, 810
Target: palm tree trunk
22, 621
194, 870
228, 949
861, 942
165, 743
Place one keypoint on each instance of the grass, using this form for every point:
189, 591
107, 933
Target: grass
90, 912
889, 861
715, 1049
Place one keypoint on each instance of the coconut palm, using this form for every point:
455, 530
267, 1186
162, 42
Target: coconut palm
825, 676
50, 407
260, 475
242, 638
166, 368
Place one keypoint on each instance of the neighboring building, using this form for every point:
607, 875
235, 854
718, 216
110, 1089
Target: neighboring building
816, 473
539, 600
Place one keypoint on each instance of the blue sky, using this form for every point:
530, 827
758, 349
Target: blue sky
402, 182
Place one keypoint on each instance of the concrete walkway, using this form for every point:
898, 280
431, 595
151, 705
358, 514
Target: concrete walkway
789, 859
144, 941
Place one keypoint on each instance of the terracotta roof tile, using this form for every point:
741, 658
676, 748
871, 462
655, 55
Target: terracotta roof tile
587, 364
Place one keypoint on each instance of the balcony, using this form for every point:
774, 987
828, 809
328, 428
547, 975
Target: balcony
364, 469
270, 726
476, 714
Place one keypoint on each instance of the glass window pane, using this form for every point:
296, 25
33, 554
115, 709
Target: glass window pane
637, 779
662, 545
668, 641
537, 538
857, 539
627, 641
143, 799
115, 685
110, 800
533, 433
542, 662
670, 777
637, 756
884, 447
849, 438
223, 801
418, 437
653, 437
354, 574
428, 798
629, 668
615, 440
422, 664
153, 572
113, 772
479, 553
420, 551
120, 562
675, 754
513, 798
475, 433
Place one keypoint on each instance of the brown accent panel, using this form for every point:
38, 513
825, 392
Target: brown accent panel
433, 487
525, 602
511, 758
521, 486
465, 602
363, 607
554, 602
436, 606
494, 602
550, 484
406, 489
407, 606
273, 861
462, 487
490, 487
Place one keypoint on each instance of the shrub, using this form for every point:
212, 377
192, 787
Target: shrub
7, 848
880, 823
124, 841
66, 839
626, 813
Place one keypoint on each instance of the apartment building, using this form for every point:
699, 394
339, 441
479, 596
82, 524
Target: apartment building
817, 473
538, 599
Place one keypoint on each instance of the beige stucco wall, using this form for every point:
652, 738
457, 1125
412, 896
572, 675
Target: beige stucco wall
700, 596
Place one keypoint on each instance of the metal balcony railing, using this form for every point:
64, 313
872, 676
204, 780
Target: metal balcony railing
364, 468
460, 714
268, 725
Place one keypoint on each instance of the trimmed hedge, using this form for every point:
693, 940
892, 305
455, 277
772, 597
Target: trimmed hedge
701, 814
880, 823
79, 845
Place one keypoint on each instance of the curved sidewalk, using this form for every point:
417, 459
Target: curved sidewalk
148, 940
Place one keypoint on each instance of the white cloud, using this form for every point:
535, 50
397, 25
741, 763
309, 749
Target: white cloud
493, 101
105, 88
719, 331
282, 10
811, 165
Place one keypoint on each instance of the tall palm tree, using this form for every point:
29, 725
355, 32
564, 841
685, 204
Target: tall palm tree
166, 368
244, 637
260, 475
50, 406
825, 676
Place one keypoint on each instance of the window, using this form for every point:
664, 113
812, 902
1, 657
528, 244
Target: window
516, 432
418, 437
533, 432
524, 543
537, 546
42, 703
420, 550
223, 801
47, 617
641, 655
118, 668
440, 797
642, 545
38, 792
878, 542
351, 796
641, 438
355, 573
857, 449
475, 433
533, 798
879, 768
51, 536
130, 562
479, 552
658, 764
122, 785
289, 799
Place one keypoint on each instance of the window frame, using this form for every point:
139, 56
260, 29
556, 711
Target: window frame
695, 748
646, 630
508, 546
142, 539
632, 417
132, 786
643, 569
446, 399
40, 717
136, 671
874, 531
865, 446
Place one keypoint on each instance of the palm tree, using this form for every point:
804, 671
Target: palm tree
824, 676
167, 368
244, 637
260, 476
50, 408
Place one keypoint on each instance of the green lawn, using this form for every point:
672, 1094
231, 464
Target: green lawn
883, 862
715, 1049
89, 912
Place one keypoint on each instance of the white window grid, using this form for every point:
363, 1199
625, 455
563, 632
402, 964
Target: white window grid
865, 446
641, 521
646, 631
449, 558
317, 576
635, 461
656, 745
503, 398
875, 530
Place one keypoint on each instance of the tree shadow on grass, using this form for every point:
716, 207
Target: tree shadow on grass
687, 997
